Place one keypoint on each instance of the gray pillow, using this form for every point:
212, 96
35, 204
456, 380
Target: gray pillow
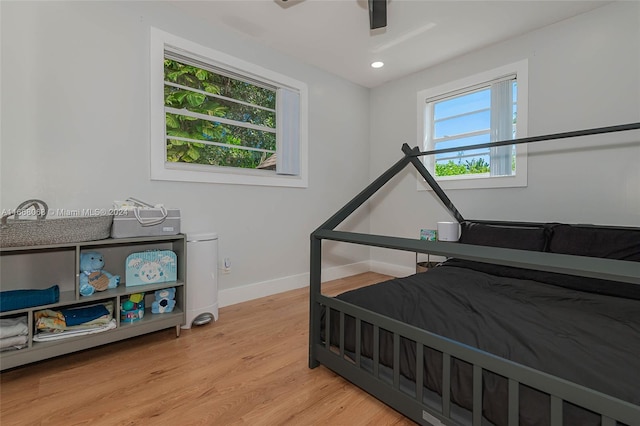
592, 241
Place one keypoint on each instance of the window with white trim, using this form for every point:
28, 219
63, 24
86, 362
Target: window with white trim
485, 108
216, 118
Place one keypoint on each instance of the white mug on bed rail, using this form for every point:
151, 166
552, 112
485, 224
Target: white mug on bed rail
448, 231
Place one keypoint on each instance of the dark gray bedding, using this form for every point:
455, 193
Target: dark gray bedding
588, 338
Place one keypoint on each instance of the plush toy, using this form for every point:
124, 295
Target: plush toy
165, 301
92, 277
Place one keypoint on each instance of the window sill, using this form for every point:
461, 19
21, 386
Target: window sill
476, 182
208, 174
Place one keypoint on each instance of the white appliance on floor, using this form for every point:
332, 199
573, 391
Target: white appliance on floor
202, 278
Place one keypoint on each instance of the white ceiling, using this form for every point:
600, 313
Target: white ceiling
334, 34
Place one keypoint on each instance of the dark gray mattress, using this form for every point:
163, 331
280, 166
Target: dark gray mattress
585, 337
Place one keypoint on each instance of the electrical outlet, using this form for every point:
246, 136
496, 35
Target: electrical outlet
226, 265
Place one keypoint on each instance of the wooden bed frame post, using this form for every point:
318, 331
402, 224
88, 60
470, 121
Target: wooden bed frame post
315, 289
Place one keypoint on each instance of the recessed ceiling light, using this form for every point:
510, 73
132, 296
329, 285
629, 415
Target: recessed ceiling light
377, 64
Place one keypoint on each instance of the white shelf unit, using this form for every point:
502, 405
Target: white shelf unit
40, 267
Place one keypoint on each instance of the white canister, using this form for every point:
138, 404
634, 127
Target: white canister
448, 231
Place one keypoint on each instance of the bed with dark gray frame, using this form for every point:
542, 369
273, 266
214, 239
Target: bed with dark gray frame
524, 323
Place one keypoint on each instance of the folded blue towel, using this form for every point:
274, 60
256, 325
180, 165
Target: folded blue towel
19, 299
77, 316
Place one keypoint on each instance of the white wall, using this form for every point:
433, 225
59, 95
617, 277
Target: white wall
75, 133
584, 72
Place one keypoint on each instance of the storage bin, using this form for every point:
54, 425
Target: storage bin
132, 309
126, 224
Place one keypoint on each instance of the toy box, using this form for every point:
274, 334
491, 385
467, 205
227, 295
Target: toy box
151, 267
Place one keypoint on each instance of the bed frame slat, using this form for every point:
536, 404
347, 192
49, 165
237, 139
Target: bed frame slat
419, 370
446, 384
341, 334
556, 411
376, 351
477, 395
396, 361
358, 341
514, 403
327, 328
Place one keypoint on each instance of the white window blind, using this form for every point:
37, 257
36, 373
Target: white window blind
474, 115
488, 106
502, 108
288, 125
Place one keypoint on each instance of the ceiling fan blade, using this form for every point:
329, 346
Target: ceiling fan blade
377, 14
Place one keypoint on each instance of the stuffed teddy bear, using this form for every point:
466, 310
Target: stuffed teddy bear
92, 277
165, 301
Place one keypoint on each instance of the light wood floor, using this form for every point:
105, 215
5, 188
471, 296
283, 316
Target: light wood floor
250, 367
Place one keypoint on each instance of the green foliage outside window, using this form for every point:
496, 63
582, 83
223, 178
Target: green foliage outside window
223, 133
474, 166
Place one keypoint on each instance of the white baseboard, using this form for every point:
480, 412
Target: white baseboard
337, 272
391, 269
231, 296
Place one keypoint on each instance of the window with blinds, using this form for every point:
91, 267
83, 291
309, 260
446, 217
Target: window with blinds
223, 119
475, 116
214, 119
474, 111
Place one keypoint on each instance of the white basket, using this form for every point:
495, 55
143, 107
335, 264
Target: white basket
41, 231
